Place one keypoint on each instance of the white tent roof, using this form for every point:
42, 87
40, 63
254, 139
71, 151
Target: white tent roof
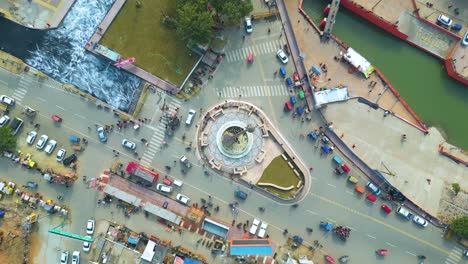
119, 194
148, 254
331, 95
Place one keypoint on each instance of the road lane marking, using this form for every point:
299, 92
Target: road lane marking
352, 228
411, 253
331, 185
41, 99
331, 220
390, 244
80, 116
371, 236
3, 82
59, 107
312, 212
350, 192
314, 178
380, 222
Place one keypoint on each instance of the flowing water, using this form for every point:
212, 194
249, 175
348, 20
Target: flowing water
61, 54
421, 79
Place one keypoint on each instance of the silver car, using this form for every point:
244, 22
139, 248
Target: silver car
282, 56
42, 141
31, 137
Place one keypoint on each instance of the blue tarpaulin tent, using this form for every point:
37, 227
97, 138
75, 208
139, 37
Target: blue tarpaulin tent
315, 70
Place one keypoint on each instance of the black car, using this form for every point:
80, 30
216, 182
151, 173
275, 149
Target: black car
70, 159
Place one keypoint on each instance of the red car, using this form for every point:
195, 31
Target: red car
371, 198
386, 208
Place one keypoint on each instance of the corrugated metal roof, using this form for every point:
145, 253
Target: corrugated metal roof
119, 194
251, 250
163, 213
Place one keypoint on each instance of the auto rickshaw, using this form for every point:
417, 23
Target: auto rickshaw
301, 94
56, 118
250, 58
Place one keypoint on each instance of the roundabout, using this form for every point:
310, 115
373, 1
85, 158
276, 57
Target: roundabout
237, 140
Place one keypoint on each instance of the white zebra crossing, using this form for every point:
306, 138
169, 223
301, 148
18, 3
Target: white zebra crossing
158, 135
261, 48
23, 85
254, 91
455, 256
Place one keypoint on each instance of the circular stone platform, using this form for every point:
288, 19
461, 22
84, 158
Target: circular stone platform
230, 143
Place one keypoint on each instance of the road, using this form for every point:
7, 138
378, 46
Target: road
330, 197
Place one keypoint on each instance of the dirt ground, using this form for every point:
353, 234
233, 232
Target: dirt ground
452, 206
13, 246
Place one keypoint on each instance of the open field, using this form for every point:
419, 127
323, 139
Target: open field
139, 32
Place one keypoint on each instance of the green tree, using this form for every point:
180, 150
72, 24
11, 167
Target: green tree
456, 188
460, 226
194, 22
233, 10
7, 141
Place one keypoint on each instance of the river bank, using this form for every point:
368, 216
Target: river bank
420, 78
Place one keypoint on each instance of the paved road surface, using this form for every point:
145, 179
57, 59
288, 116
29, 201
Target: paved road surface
331, 197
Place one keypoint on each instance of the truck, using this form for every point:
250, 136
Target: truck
16, 125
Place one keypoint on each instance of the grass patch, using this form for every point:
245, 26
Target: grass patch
279, 173
139, 32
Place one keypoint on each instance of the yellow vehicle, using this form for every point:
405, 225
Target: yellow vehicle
353, 179
3, 107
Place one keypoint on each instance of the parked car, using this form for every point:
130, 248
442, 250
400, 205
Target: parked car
69, 160
86, 245
42, 141
374, 188
163, 188
240, 194
386, 208
16, 125
405, 213
371, 197
50, 146
7, 100
128, 144
90, 227
182, 199
248, 24
76, 257
31, 137
60, 155
101, 134
190, 116
359, 189
4, 120
254, 227
420, 221
282, 56
465, 39
64, 257
262, 231
443, 20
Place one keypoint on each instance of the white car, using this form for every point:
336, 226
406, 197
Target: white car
76, 257
405, 213
50, 146
31, 137
374, 188
254, 227
248, 25
64, 257
190, 116
4, 120
7, 100
182, 199
465, 39
128, 144
282, 56
90, 227
163, 188
444, 20
86, 245
60, 155
262, 231
42, 141
420, 221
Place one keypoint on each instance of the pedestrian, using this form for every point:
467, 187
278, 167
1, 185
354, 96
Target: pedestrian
298, 21
342, 135
353, 146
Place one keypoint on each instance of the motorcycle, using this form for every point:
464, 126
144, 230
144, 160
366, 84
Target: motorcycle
167, 168
381, 252
309, 230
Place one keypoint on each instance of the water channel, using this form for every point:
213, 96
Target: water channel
61, 54
421, 79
